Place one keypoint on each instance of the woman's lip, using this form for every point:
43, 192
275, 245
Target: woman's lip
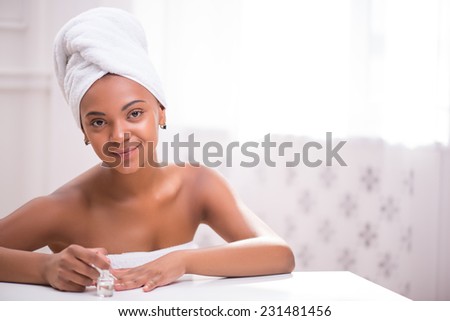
126, 150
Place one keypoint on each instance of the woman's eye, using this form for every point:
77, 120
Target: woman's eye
97, 123
135, 113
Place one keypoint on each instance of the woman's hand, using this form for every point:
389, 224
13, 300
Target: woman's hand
159, 272
72, 269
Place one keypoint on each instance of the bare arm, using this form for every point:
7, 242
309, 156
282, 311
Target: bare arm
20, 233
253, 248
22, 266
31, 227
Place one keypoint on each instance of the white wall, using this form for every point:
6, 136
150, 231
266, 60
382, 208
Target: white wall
24, 102
443, 272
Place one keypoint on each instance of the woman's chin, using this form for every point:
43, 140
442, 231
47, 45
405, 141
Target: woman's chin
128, 168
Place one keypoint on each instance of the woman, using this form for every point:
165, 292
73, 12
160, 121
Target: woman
128, 203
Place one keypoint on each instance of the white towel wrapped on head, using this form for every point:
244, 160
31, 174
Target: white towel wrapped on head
97, 42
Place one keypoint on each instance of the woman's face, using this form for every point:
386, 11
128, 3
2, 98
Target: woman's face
120, 118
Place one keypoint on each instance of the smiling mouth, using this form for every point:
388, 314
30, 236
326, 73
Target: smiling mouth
126, 151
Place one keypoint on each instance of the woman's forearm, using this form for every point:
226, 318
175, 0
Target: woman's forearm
256, 256
22, 266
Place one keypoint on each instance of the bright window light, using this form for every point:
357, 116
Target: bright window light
357, 68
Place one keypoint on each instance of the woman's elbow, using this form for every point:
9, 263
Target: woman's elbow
290, 258
286, 259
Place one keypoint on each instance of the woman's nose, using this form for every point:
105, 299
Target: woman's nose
119, 133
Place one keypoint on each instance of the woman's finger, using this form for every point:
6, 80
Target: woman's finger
87, 273
80, 279
102, 253
72, 287
131, 278
80, 264
129, 284
68, 280
150, 285
94, 257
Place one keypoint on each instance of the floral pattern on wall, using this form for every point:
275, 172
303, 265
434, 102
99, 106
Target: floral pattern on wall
361, 218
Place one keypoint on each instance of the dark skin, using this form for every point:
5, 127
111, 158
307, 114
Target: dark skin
133, 206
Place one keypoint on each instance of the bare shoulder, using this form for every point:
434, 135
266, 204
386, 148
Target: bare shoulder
203, 181
51, 205
37, 222
75, 193
221, 208
203, 186
210, 190
42, 219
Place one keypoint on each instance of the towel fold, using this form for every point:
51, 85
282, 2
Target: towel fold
134, 259
97, 42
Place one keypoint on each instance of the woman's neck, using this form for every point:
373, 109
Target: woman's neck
123, 186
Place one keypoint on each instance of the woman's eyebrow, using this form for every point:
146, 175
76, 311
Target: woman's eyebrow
125, 107
94, 113
132, 103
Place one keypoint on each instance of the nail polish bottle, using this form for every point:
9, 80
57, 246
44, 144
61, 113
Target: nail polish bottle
105, 284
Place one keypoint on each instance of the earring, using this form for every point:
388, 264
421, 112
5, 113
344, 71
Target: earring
163, 126
86, 142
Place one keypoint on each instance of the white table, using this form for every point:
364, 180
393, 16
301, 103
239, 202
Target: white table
303, 286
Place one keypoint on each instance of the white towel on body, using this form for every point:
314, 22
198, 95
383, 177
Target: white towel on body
97, 42
133, 259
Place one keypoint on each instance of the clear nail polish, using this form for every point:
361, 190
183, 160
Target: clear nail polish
105, 284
